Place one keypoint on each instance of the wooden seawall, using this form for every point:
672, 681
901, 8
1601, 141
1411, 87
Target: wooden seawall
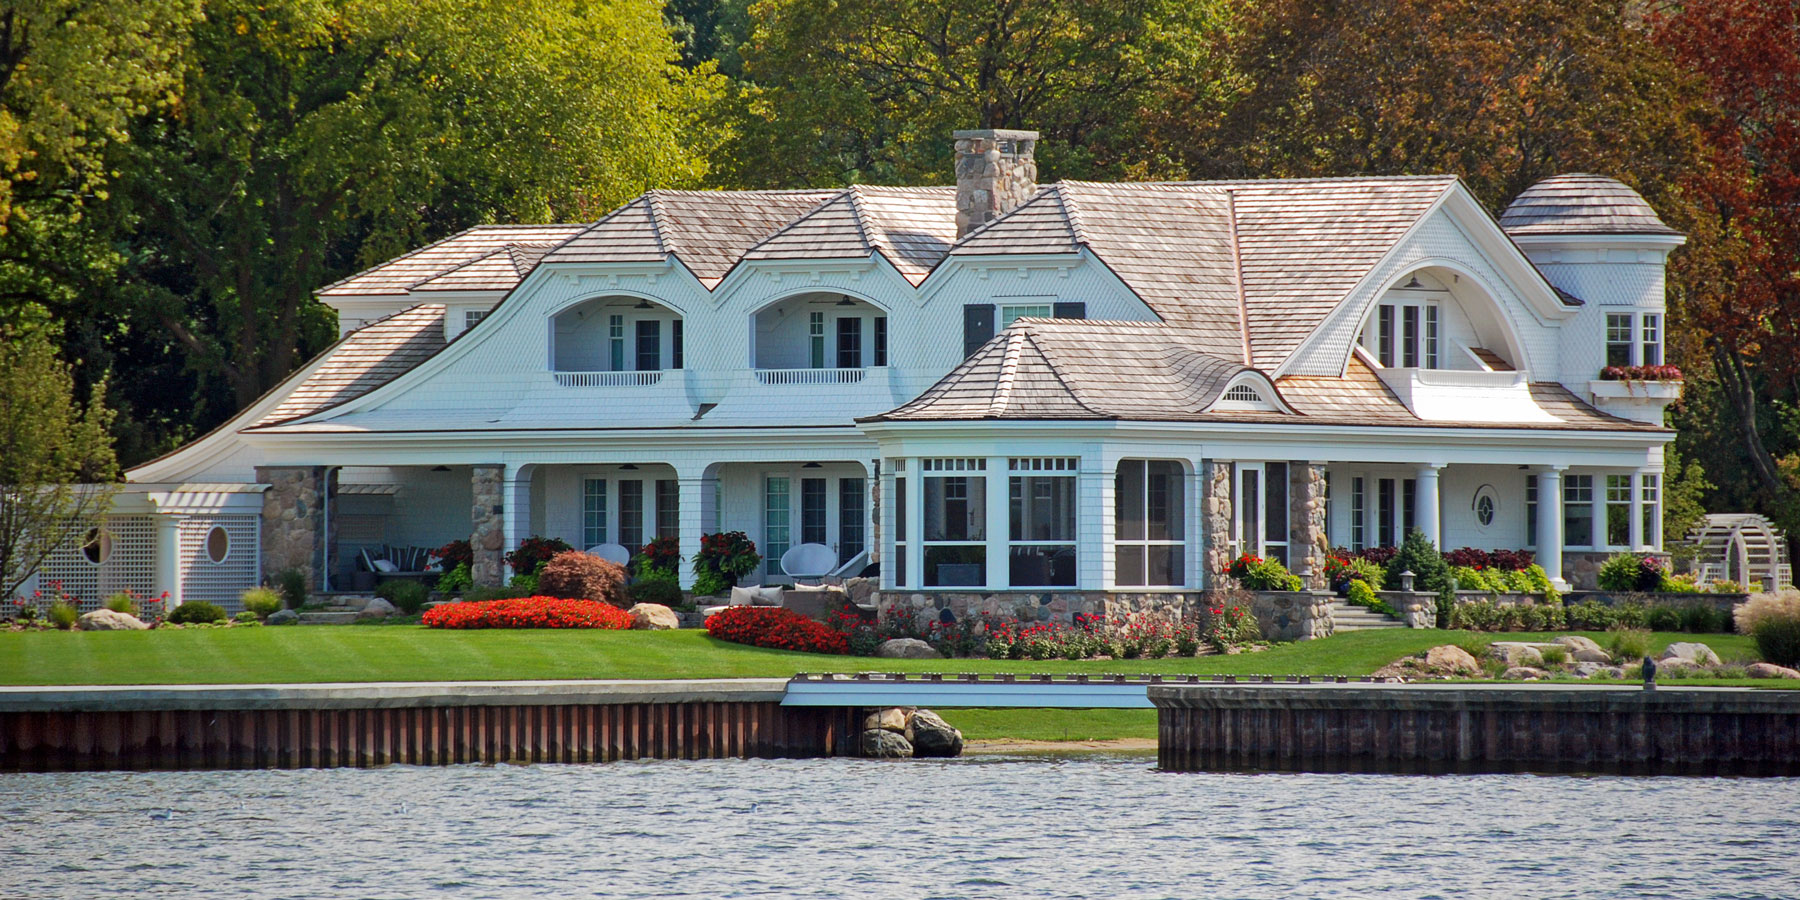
1442, 728
306, 726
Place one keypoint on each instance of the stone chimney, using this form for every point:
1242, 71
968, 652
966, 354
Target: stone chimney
995, 172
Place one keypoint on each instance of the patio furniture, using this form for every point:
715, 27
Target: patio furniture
612, 553
808, 561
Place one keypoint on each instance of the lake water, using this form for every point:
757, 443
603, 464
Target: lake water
1007, 827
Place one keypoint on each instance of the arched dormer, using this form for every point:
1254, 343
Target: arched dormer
1439, 315
813, 335
615, 340
1252, 392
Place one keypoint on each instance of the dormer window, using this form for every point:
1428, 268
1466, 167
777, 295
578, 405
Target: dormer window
1247, 395
1404, 334
1243, 393
472, 316
615, 342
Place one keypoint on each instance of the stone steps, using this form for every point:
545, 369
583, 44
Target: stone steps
1345, 617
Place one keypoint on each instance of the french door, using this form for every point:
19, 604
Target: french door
1260, 510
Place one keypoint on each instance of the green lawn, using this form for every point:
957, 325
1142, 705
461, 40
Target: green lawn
412, 653
1053, 724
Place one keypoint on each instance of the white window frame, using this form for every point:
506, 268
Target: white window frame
1177, 522
972, 469
1650, 340
773, 506
615, 337
1260, 545
815, 338
1384, 335
1578, 494
1011, 311
1618, 497
1021, 471
1650, 496
594, 510
473, 316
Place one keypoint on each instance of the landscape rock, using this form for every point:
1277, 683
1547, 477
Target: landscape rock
1515, 654
891, 719
1585, 649
1770, 670
108, 620
1693, 651
860, 591
377, 609
1524, 673
1617, 672
1586, 669
282, 617
1676, 665
1451, 660
907, 648
653, 617
932, 736
879, 743
1576, 642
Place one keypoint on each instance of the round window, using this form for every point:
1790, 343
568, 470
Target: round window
96, 546
218, 544
1485, 506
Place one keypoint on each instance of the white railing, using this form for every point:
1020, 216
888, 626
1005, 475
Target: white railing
607, 379
810, 376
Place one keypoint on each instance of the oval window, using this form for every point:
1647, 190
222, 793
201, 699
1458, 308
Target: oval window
218, 544
96, 546
1484, 510
1485, 506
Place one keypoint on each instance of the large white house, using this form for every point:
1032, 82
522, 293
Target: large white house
991, 387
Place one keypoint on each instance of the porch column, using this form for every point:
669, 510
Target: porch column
516, 501
1635, 528
695, 492
1308, 543
1095, 487
1215, 516
915, 524
487, 525
1550, 523
999, 524
292, 520
1426, 506
166, 578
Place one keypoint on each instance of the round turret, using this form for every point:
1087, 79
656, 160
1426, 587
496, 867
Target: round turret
1579, 203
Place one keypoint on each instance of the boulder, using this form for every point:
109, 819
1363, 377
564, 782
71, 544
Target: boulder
376, 609
879, 743
282, 617
653, 617
1588, 669
1676, 665
1451, 660
932, 736
1770, 670
891, 719
1692, 651
1614, 672
107, 620
1524, 673
1515, 653
1584, 649
860, 591
907, 648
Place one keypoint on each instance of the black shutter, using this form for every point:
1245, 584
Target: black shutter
978, 326
1075, 310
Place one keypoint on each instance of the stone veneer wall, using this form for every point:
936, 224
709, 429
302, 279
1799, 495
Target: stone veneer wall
1416, 609
1581, 568
995, 172
1039, 606
1308, 545
487, 520
1293, 615
292, 516
1215, 518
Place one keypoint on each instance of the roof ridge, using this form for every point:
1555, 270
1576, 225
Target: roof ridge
621, 208
461, 265
407, 255
837, 195
1238, 182
1009, 370
1071, 215
864, 227
1237, 273
1042, 192
1061, 378
653, 202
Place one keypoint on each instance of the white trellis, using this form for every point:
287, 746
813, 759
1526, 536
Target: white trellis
1744, 548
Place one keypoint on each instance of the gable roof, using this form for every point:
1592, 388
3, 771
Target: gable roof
364, 360
402, 273
912, 227
706, 230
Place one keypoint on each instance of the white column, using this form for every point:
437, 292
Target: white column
166, 574
1426, 507
999, 523
1094, 526
515, 493
694, 494
1636, 525
1550, 523
915, 524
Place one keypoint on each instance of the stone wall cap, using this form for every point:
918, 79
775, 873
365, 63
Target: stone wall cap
386, 695
998, 134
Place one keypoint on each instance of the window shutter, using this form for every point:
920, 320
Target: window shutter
1076, 310
978, 326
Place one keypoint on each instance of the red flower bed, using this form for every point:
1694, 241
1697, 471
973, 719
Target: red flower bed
777, 629
528, 612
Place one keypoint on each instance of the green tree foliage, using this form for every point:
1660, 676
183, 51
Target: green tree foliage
50, 445
871, 91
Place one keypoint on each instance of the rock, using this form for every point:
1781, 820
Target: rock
1676, 665
1770, 670
1698, 653
653, 617
1451, 660
1587, 669
907, 648
1584, 649
860, 591
1614, 672
377, 609
891, 719
932, 736
879, 743
107, 620
1524, 673
282, 617
1515, 654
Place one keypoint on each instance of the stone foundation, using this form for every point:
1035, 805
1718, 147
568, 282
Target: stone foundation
1581, 568
292, 518
1292, 615
487, 520
1040, 606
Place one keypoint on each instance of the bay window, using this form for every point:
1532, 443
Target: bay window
1149, 524
1041, 522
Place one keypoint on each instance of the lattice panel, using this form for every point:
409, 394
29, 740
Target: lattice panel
222, 582
131, 564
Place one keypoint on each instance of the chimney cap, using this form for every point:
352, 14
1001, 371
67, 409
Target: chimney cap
998, 134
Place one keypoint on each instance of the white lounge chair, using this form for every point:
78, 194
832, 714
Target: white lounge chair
612, 553
808, 561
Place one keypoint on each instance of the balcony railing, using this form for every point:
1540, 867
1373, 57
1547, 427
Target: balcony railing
607, 379
810, 376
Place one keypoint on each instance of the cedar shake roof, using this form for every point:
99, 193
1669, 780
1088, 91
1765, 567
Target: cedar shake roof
364, 360
402, 273
708, 231
1580, 203
913, 227
1359, 398
496, 270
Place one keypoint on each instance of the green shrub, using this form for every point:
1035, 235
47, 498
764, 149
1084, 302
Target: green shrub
64, 615
1778, 639
1430, 573
1662, 617
1363, 570
458, 580
407, 596
1361, 594
122, 602
524, 582
666, 591
292, 585
246, 618
1732, 587
262, 601
1678, 584
1629, 644
1554, 656
1703, 618
197, 612
1257, 574
484, 594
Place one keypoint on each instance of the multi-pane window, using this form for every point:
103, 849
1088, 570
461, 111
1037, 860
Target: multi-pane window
1385, 512
849, 342
1275, 511
631, 514
1651, 350
1531, 510
955, 522
880, 341
900, 575
615, 339
668, 508
675, 344
1405, 334
1619, 339
1409, 509
815, 336
649, 345
1358, 510
472, 316
776, 519
1024, 311
852, 511
812, 510
1650, 495
1041, 521
1618, 510
593, 511
1578, 510
1149, 524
